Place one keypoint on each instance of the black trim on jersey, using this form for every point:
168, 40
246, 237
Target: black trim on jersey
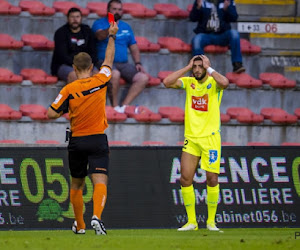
105, 66
95, 89
65, 105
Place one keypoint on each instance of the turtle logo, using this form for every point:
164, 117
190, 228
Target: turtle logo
50, 209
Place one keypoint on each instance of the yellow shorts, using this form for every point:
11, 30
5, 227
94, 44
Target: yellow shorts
208, 148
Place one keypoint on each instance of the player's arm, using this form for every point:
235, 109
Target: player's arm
172, 80
221, 80
110, 49
53, 114
101, 34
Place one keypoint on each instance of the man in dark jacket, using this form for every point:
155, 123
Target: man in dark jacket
214, 18
70, 39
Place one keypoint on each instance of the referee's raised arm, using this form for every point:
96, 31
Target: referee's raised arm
110, 49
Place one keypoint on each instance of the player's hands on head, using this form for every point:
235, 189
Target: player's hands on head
205, 61
113, 28
190, 65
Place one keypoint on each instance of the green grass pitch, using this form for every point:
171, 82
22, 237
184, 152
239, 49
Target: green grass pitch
271, 238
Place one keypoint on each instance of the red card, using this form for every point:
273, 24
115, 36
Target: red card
111, 18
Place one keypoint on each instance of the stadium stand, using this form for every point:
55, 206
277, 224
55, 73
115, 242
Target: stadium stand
114, 116
34, 111
272, 78
244, 115
153, 143
47, 142
37, 42
290, 144
170, 10
119, 143
138, 10
174, 44
145, 45
64, 6
278, 115
12, 141
258, 144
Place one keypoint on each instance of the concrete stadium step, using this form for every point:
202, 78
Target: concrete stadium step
261, 7
155, 97
135, 133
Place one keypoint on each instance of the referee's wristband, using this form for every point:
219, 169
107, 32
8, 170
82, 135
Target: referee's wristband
210, 70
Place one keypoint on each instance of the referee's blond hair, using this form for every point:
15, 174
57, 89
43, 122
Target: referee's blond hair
82, 61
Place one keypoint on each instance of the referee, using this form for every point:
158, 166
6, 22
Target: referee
85, 99
202, 134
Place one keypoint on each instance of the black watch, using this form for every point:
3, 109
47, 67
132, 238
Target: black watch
113, 36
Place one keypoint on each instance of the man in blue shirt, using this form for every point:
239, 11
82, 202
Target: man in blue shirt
214, 17
133, 74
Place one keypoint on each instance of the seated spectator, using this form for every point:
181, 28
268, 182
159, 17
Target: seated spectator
214, 28
70, 39
133, 74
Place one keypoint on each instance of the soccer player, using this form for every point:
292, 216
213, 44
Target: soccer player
85, 100
202, 134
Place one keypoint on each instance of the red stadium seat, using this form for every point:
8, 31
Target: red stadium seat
38, 42
145, 45
8, 77
142, 114
163, 74
114, 116
180, 143
278, 115
174, 114
170, 10
248, 48
277, 80
215, 49
138, 10
119, 143
98, 7
297, 112
38, 76
64, 6
153, 143
254, 143
47, 142
224, 118
36, 8
34, 111
7, 42
244, 115
290, 144
174, 44
7, 113
7, 9
153, 81
189, 7
243, 80
12, 141
228, 144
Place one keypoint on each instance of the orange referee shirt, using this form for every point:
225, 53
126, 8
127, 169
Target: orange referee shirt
85, 100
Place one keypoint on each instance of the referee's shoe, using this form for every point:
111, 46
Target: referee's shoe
98, 225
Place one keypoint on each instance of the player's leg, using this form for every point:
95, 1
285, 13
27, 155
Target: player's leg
98, 168
189, 164
78, 169
138, 81
210, 162
66, 73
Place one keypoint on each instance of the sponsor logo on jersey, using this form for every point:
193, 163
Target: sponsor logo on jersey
57, 99
200, 103
193, 86
105, 71
208, 86
213, 156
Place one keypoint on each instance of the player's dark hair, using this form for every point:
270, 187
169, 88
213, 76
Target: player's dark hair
72, 10
112, 1
82, 61
198, 58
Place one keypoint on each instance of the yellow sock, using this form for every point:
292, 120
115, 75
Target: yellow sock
77, 202
212, 202
99, 199
189, 200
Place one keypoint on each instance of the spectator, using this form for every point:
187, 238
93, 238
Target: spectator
133, 74
213, 27
70, 39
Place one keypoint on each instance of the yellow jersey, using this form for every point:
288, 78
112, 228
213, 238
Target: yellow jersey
202, 107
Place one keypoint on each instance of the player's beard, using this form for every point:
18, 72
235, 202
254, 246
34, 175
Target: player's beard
117, 17
200, 77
